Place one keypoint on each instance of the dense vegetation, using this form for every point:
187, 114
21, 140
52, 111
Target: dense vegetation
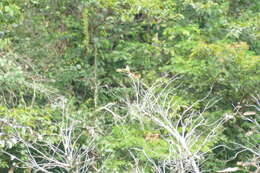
134, 86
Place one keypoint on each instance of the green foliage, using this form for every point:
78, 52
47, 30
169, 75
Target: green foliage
221, 66
31, 124
132, 138
82, 52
